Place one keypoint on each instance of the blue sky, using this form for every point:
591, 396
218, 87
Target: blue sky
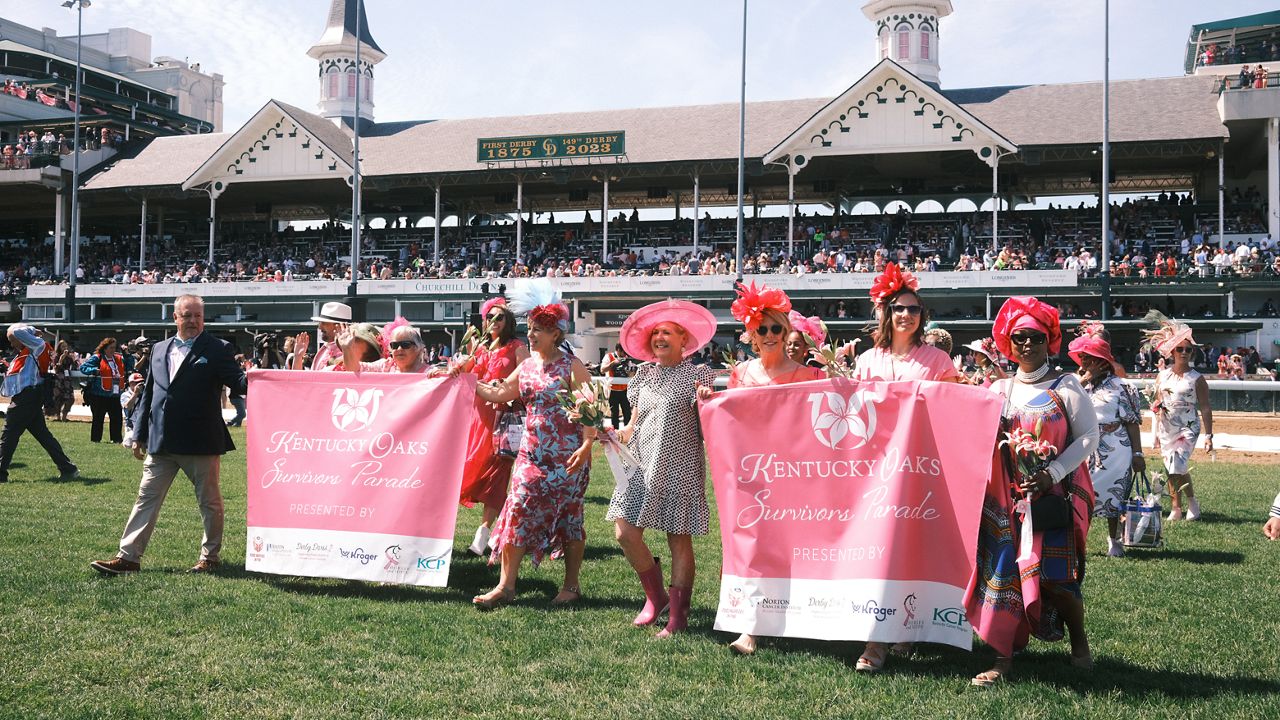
499, 57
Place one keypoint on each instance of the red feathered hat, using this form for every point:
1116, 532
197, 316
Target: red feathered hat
749, 308
890, 282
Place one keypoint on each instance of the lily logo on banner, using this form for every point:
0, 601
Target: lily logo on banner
836, 418
354, 410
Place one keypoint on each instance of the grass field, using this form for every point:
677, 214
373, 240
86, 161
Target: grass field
1188, 631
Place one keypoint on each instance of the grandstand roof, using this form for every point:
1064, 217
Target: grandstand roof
1153, 110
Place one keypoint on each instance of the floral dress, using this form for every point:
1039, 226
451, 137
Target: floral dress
485, 473
668, 490
1003, 599
1177, 423
543, 510
1117, 405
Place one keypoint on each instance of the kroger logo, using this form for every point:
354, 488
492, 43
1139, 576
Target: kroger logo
871, 607
952, 617
358, 554
436, 563
836, 418
353, 410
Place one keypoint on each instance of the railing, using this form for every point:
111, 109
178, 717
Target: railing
1230, 395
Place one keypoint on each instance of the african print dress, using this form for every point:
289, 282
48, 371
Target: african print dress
668, 490
485, 473
1177, 424
1003, 597
543, 510
1117, 405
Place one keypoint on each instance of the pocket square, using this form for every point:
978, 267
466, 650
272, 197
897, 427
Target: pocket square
201, 360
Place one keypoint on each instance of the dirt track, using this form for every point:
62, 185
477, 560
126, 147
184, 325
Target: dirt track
1236, 424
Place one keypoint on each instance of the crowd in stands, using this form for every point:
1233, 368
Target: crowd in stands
1165, 237
23, 150
1260, 50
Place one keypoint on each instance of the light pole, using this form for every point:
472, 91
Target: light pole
353, 288
70, 314
742, 140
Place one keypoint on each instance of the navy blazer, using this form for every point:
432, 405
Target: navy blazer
185, 416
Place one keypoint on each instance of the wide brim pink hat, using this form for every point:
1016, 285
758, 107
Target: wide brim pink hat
1087, 345
697, 321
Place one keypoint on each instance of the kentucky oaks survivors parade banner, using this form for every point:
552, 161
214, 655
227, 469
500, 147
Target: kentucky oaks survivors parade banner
355, 477
849, 511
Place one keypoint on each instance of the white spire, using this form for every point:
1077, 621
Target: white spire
907, 32
336, 52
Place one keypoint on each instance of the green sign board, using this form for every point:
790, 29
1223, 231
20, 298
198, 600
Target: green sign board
548, 147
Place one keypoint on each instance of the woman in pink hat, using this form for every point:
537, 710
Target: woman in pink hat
1018, 591
764, 312
667, 491
486, 473
1119, 452
899, 353
1179, 392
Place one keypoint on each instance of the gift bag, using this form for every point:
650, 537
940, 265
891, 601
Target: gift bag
1142, 515
507, 433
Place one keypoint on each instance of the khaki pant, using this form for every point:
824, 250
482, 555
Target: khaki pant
158, 472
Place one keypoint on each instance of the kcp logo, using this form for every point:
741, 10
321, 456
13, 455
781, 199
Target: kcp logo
353, 410
434, 563
835, 418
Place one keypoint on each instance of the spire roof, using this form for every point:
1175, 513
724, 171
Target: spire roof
341, 26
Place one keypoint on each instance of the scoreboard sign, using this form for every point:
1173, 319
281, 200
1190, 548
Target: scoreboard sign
547, 147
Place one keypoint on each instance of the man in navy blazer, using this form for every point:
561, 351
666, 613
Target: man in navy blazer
177, 425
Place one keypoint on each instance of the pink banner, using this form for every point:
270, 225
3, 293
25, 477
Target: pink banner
355, 477
849, 511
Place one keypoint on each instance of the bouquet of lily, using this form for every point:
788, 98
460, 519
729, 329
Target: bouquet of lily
837, 361
588, 405
1032, 454
471, 339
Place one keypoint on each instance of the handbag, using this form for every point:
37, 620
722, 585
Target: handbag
507, 433
1143, 526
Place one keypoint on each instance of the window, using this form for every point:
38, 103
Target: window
333, 86
884, 44
904, 45
366, 89
924, 44
351, 85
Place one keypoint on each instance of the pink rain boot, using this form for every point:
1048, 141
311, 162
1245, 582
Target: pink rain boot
679, 617
655, 597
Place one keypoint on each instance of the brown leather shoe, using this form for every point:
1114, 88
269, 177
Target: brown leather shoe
115, 566
206, 566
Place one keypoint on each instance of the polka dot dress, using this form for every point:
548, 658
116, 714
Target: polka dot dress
668, 490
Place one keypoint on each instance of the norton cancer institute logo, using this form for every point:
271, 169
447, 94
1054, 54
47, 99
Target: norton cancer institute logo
354, 410
837, 419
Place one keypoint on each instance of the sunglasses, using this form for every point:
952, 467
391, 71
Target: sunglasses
911, 310
402, 344
1183, 349
1029, 338
497, 317
764, 330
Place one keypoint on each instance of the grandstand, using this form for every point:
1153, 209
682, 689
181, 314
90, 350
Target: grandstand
258, 216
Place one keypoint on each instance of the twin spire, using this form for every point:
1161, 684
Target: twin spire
336, 52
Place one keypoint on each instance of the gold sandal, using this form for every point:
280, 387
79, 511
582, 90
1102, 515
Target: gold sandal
998, 674
492, 601
560, 600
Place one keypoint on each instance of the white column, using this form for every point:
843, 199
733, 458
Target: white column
1273, 178
58, 209
1222, 198
697, 211
791, 210
519, 216
142, 239
604, 224
995, 199
213, 222
435, 254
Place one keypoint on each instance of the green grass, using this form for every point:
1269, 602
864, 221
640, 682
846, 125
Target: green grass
1189, 631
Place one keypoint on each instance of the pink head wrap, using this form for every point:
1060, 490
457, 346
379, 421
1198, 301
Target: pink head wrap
1020, 312
490, 303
